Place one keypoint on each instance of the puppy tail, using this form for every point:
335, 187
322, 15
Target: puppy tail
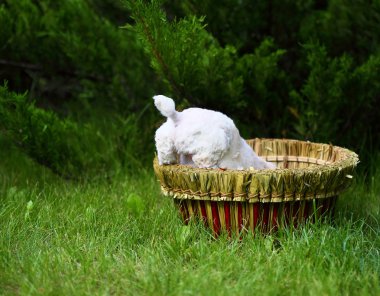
166, 106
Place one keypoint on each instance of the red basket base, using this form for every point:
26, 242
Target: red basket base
236, 218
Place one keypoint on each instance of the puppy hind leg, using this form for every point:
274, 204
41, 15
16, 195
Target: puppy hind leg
164, 138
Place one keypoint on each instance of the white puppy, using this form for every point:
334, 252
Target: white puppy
202, 138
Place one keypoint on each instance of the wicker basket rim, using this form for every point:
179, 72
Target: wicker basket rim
350, 159
268, 185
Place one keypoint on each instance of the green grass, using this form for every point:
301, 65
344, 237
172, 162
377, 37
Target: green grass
122, 237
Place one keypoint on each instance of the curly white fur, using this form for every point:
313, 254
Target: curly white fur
202, 138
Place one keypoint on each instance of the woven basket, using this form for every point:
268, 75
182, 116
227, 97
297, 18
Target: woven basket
306, 183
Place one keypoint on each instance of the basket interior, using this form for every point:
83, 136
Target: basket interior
295, 154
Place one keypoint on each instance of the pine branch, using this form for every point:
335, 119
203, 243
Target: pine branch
164, 67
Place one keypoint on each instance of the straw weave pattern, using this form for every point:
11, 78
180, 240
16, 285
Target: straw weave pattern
305, 171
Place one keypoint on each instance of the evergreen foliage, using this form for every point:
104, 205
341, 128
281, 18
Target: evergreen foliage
68, 148
338, 100
197, 68
294, 69
64, 51
297, 69
51, 141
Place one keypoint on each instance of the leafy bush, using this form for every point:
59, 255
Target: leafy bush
338, 99
90, 77
70, 149
296, 69
282, 75
65, 50
58, 144
197, 68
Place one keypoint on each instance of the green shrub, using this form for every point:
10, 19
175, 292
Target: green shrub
90, 77
282, 75
338, 100
66, 50
70, 149
198, 69
59, 144
296, 69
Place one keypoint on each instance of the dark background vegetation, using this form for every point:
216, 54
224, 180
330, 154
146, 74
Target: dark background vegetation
77, 76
